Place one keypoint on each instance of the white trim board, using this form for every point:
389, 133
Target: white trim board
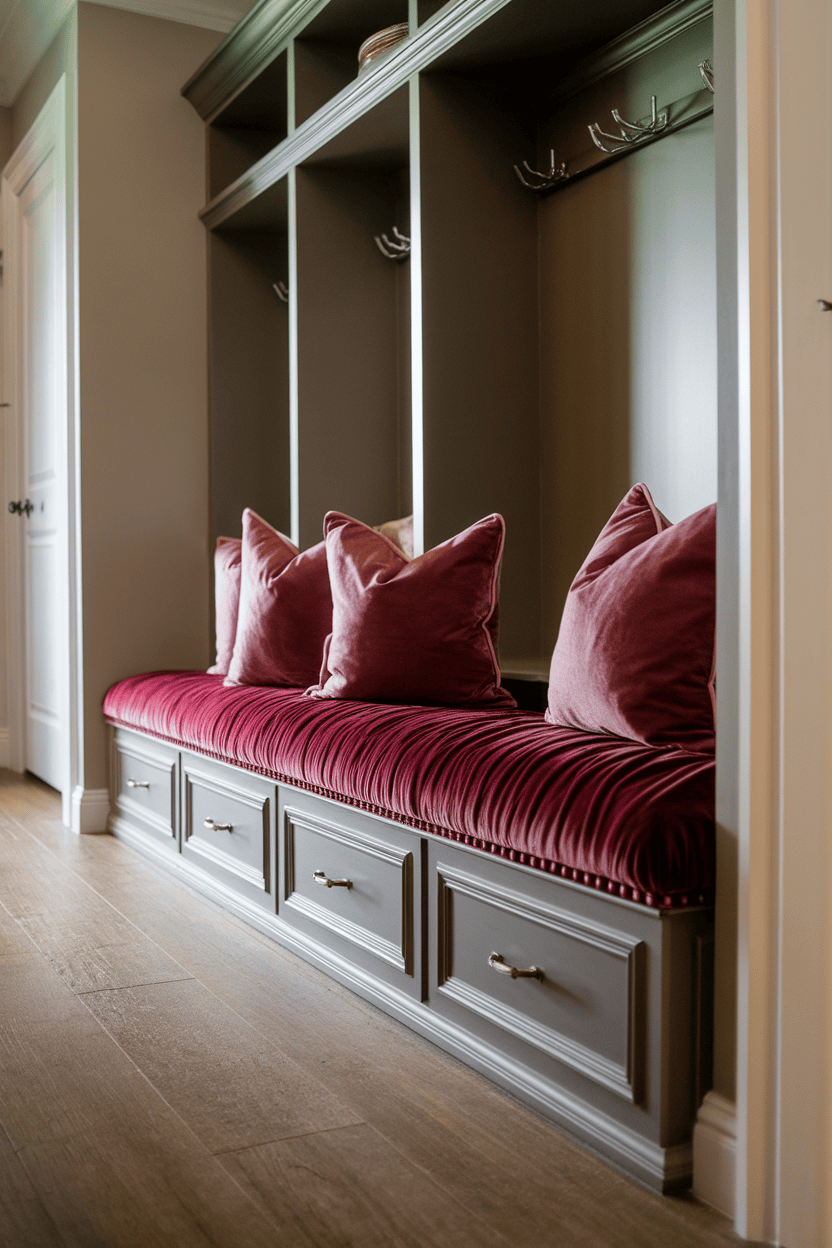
775, 615
715, 1152
90, 810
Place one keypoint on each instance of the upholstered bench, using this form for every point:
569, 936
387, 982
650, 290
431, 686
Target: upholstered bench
534, 899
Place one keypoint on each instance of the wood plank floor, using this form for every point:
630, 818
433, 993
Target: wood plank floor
170, 1076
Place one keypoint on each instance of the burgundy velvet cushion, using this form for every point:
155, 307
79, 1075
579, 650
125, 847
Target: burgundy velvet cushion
421, 630
622, 817
285, 609
635, 652
226, 599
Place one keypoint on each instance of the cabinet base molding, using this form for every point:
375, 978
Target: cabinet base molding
89, 810
714, 1153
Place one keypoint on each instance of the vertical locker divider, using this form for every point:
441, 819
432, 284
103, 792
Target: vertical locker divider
353, 305
417, 454
294, 413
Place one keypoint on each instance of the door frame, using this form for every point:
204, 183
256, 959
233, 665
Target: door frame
52, 134
774, 778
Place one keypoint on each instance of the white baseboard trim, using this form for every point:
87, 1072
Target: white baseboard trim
90, 810
4, 747
714, 1153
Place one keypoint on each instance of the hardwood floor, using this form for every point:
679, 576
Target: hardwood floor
169, 1076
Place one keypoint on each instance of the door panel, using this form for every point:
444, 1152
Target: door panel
39, 366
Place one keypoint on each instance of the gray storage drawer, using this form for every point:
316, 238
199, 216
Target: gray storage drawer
144, 785
613, 1030
569, 988
227, 818
370, 917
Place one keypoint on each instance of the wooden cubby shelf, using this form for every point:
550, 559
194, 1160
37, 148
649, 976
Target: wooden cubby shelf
253, 123
326, 51
353, 318
249, 366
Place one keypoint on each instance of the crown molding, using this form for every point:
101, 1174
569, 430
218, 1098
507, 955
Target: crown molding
222, 15
647, 36
32, 25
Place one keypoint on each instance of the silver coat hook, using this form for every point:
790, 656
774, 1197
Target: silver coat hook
706, 71
555, 173
393, 250
282, 291
631, 131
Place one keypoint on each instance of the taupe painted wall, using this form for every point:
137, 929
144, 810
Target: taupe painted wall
143, 364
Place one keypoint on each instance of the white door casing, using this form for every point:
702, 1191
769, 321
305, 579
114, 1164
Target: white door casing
39, 450
773, 62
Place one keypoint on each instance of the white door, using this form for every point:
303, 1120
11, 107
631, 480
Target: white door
36, 359
38, 398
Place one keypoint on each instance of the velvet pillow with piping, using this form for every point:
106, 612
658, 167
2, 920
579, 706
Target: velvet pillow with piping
413, 631
635, 651
264, 633
227, 558
285, 609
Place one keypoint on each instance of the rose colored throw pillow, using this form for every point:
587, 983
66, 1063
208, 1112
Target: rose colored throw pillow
285, 609
226, 600
421, 630
635, 651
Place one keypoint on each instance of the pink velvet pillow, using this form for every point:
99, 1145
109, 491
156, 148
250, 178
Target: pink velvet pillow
421, 630
226, 599
635, 652
285, 609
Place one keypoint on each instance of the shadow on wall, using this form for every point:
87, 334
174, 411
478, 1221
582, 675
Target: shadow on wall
628, 382
585, 284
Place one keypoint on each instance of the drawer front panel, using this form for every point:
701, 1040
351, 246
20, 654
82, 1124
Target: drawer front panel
583, 1004
371, 909
145, 785
226, 827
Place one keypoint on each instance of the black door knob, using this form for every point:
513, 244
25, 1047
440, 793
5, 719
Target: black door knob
21, 509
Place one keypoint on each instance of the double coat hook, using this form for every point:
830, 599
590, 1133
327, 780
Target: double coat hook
555, 173
394, 250
281, 290
631, 132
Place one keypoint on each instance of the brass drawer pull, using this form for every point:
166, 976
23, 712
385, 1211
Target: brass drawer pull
138, 784
217, 827
498, 963
321, 877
